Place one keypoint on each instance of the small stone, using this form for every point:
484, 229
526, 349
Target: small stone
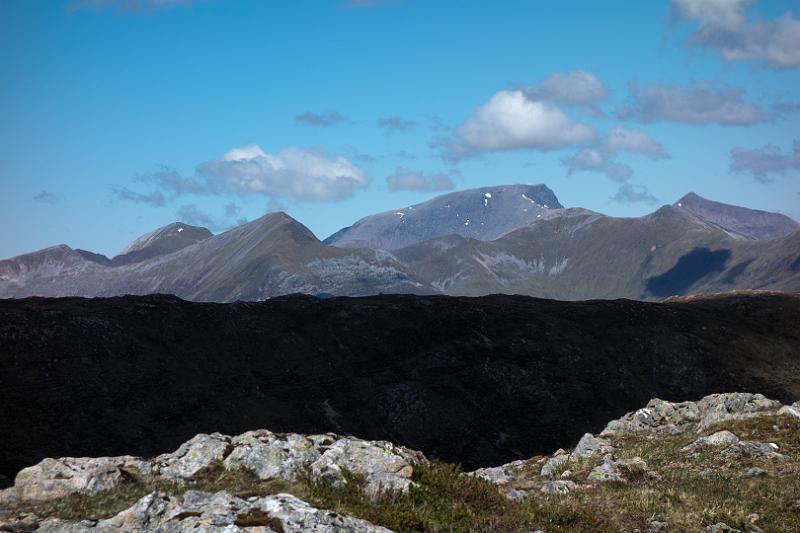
722, 527
720, 438
616, 469
767, 450
790, 410
755, 472
549, 468
590, 446
515, 495
498, 475
656, 526
559, 486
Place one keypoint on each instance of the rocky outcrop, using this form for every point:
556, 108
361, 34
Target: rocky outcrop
217, 512
55, 478
329, 458
193, 456
669, 417
658, 419
382, 465
276, 456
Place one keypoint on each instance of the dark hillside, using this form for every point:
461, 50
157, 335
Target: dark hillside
480, 381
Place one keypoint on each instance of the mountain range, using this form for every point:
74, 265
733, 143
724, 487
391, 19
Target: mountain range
513, 239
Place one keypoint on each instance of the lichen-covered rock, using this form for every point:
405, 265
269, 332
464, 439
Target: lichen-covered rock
722, 527
559, 486
614, 468
669, 417
56, 478
590, 446
296, 516
383, 465
745, 448
193, 456
720, 438
551, 465
200, 512
497, 475
790, 410
276, 456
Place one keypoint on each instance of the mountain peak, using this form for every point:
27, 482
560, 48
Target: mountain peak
483, 213
164, 240
741, 222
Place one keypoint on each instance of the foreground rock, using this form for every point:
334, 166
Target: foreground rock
697, 451
56, 478
206, 512
329, 458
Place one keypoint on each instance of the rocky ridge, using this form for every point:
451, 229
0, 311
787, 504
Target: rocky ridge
628, 452
513, 239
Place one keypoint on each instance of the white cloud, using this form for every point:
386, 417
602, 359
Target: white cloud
577, 88
300, 174
723, 26
409, 180
591, 160
699, 103
622, 139
510, 120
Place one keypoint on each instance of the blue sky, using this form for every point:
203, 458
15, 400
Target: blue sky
122, 116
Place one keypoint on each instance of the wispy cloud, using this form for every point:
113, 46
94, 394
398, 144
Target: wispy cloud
404, 179
46, 197
360, 156
320, 120
196, 216
125, 5
154, 198
168, 185
762, 163
698, 103
579, 88
591, 160
191, 214
395, 124
628, 194
622, 139
231, 209
368, 3
601, 159
723, 26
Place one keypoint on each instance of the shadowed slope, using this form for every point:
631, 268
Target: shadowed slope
475, 380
